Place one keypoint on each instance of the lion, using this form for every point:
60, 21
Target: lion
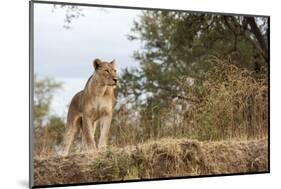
94, 103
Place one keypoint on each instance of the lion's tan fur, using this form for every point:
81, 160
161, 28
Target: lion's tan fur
94, 103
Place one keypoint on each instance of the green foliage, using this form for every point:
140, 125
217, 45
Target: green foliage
175, 45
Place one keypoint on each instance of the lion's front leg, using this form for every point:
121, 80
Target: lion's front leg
88, 141
105, 123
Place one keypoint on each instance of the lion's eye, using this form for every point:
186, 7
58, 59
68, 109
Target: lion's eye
107, 71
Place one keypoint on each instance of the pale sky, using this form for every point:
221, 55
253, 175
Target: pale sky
101, 33
67, 54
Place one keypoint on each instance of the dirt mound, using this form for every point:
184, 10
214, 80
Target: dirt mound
163, 158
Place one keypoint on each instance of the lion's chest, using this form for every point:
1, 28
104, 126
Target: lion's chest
99, 107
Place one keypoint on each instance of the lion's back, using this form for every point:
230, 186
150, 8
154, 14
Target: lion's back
76, 104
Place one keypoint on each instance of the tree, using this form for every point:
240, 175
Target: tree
48, 128
171, 88
176, 44
43, 94
72, 13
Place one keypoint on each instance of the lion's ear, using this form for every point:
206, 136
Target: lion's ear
113, 62
96, 63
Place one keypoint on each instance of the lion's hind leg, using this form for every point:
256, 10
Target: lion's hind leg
71, 129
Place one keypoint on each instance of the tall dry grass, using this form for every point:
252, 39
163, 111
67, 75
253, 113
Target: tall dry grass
230, 102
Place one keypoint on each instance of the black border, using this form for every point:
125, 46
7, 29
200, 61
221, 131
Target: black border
31, 73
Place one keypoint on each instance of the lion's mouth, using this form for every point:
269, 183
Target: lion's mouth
113, 84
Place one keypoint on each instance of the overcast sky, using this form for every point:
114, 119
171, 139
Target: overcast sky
101, 33
67, 54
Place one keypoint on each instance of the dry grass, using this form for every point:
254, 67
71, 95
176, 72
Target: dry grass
162, 158
229, 102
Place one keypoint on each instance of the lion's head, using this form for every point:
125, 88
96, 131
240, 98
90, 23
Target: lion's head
105, 72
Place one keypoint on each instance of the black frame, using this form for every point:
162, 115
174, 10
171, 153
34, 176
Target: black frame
31, 91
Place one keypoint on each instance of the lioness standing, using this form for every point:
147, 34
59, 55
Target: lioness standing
94, 103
